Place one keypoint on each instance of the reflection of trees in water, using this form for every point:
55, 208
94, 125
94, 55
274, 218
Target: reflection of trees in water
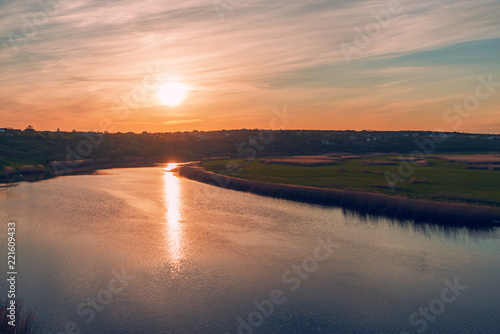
448, 230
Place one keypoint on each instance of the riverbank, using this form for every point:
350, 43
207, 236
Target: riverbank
438, 178
62, 168
361, 203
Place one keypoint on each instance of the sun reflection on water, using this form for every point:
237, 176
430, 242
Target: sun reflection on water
173, 226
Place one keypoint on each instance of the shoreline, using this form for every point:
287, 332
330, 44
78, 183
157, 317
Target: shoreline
46, 173
360, 203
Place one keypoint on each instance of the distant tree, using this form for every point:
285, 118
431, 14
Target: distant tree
29, 130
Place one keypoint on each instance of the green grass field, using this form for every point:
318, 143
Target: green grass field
443, 181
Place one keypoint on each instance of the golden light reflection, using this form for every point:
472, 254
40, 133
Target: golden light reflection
173, 226
170, 166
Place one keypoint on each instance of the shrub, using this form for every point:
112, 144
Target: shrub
376, 162
412, 180
8, 172
26, 322
30, 169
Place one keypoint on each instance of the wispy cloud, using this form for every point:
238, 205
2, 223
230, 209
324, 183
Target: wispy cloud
91, 52
182, 121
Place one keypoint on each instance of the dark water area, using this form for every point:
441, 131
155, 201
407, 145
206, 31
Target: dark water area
140, 250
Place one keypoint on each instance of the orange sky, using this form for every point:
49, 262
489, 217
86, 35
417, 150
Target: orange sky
95, 65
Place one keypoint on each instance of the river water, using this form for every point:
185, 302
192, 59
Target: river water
141, 250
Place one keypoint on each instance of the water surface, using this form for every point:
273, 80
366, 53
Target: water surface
196, 258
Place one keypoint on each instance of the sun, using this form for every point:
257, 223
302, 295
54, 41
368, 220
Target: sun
172, 93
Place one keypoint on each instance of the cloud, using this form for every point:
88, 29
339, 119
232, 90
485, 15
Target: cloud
182, 121
90, 52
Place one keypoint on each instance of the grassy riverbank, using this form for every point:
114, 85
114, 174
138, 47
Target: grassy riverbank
439, 180
439, 190
360, 203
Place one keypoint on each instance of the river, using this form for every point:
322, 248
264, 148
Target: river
140, 250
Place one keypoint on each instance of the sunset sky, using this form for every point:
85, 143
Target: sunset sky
81, 64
